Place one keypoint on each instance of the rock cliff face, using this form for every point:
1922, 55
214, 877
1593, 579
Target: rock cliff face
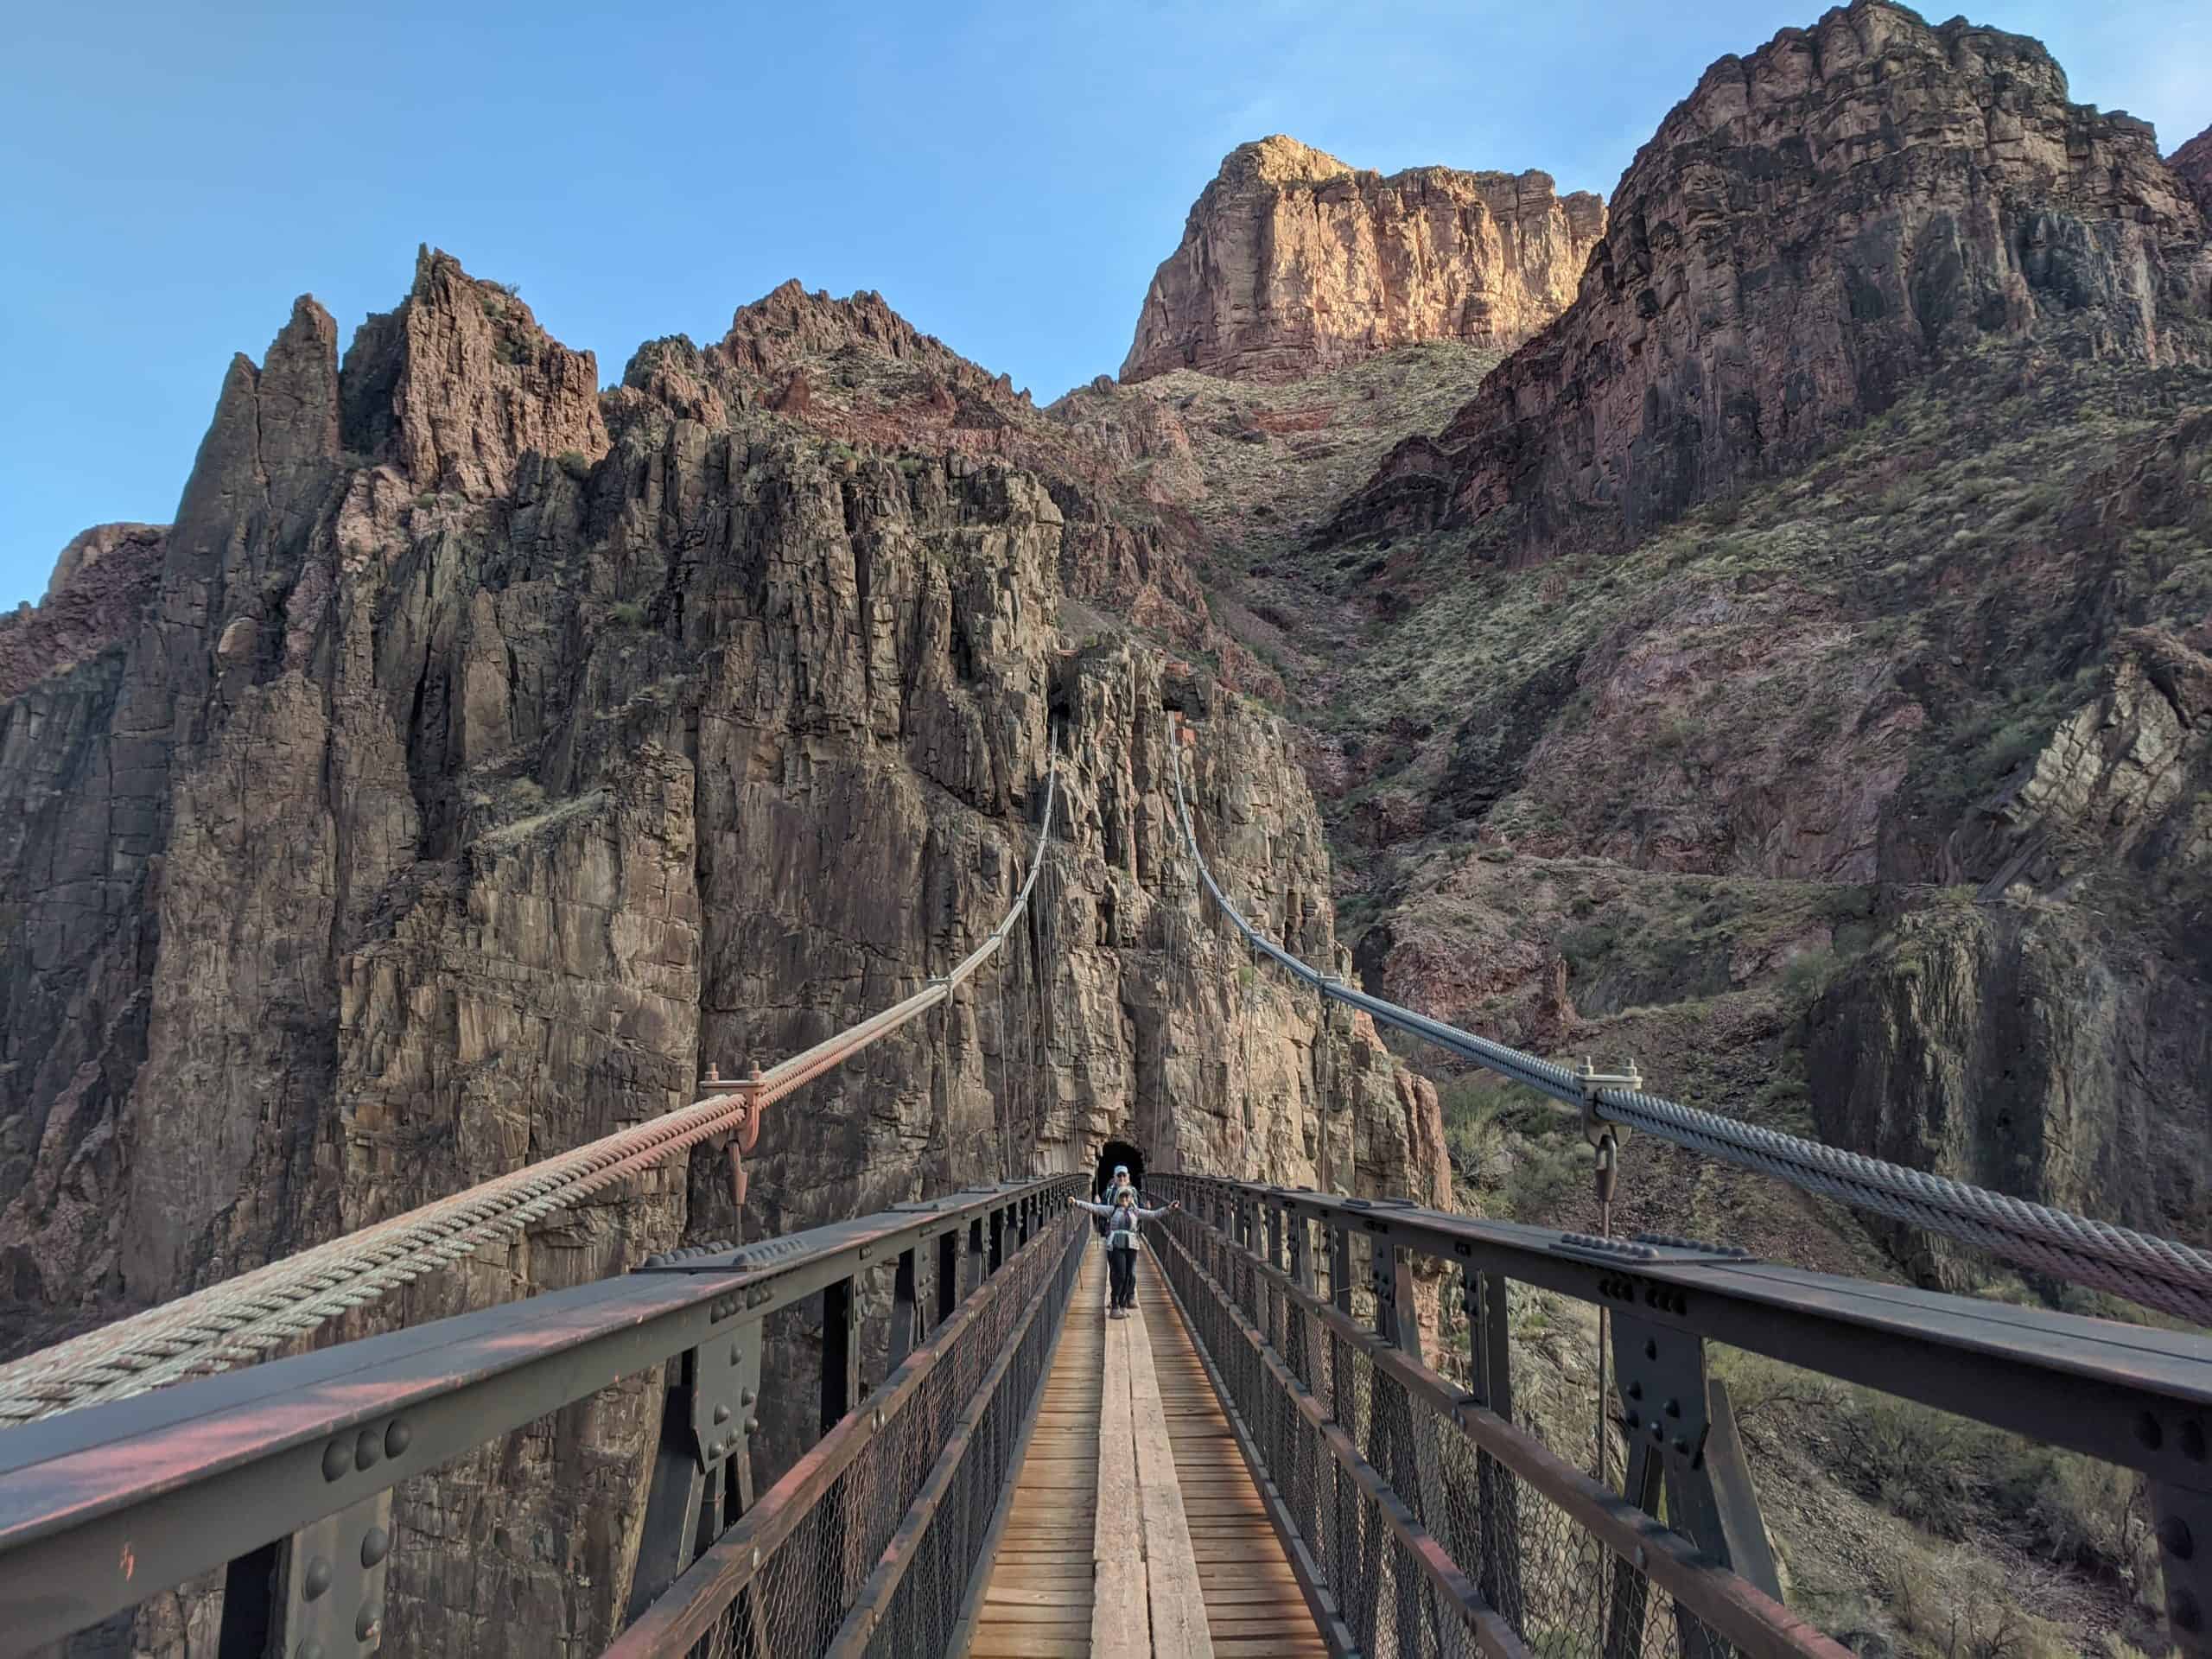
1293, 263
489, 755
100, 584
2192, 165
854, 371
2002, 1045
1810, 231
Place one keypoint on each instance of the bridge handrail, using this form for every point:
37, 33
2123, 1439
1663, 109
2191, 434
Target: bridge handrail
101, 1507
1253, 1293
2126, 1395
244, 1317
2155, 1272
2087, 1385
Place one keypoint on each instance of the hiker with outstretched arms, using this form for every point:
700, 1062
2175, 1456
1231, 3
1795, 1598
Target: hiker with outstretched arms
1123, 1215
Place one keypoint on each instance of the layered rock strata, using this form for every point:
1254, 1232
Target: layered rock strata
1292, 262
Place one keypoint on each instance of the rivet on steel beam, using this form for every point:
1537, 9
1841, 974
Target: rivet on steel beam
721, 1415
316, 1579
1651, 1348
397, 1438
1674, 1408
2174, 1535
376, 1544
736, 1354
368, 1449
2192, 1440
337, 1459
753, 1425
1682, 1447
2148, 1431
366, 1622
744, 1396
1632, 1422
1636, 1391
310, 1649
1658, 1430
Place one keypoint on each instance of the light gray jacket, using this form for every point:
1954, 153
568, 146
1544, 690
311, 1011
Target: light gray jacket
1121, 1238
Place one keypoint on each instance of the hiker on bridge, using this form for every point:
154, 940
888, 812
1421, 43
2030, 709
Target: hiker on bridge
1123, 1215
1109, 1194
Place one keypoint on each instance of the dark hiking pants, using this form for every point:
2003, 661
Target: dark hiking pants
1122, 1265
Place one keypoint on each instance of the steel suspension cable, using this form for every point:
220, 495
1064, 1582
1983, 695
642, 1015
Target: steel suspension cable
2155, 1272
243, 1318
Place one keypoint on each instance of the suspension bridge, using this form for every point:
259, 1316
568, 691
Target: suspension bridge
1306, 1443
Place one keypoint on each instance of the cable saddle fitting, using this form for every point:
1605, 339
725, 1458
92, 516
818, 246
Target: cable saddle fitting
1588, 1081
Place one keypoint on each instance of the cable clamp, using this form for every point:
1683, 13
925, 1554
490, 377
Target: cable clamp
1588, 1081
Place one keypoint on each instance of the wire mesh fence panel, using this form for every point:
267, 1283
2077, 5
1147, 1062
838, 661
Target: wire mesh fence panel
882, 1561
1426, 1543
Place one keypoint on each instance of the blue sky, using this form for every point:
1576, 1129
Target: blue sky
1007, 175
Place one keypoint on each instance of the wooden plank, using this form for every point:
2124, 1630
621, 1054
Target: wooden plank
1037, 1601
1178, 1604
1255, 1606
1120, 1622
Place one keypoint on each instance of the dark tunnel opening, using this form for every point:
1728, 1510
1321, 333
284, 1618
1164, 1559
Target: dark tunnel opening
1113, 1153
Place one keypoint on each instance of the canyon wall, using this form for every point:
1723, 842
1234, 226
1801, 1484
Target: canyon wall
489, 755
1808, 234
1293, 263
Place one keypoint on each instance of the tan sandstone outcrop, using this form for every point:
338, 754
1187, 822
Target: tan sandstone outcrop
1292, 262
481, 764
1815, 228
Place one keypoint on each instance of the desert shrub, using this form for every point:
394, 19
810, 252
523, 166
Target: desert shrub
627, 615
1472, 1136
1545, 1172
1808, 972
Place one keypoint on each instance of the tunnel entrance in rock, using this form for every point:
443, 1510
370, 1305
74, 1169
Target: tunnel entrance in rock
1113, 1153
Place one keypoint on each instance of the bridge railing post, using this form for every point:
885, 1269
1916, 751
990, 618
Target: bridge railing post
998, 1241
1483, 1298
2184, 1520
1681, 1435
1385, 1440
319, 1591
702, 1481
974, 1277
1293, 1449
1343, 1521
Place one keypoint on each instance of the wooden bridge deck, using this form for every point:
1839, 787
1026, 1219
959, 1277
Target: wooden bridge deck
1183, 1564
